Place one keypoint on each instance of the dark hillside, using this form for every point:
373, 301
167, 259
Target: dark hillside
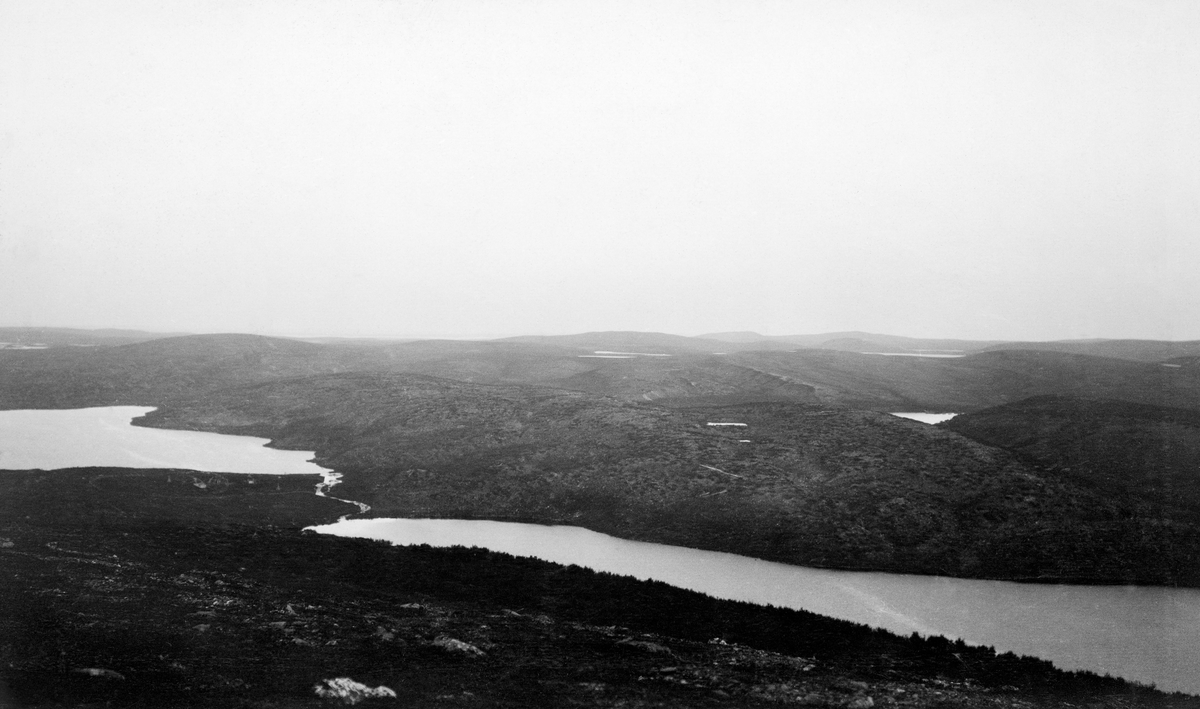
683, 381
813, 485
482, 361
1133, 450
141, 600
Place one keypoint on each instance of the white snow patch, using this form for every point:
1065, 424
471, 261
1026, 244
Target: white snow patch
349, 691
923, 417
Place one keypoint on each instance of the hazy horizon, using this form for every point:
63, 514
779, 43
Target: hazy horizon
993, 170
498, 336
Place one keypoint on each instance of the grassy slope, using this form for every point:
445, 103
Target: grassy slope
210, 597
816, 486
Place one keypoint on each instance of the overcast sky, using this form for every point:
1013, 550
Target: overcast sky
1010, 169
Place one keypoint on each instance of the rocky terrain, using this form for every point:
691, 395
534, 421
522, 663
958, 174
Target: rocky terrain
143, 589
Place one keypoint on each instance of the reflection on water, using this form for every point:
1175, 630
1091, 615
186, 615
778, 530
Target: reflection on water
1150, 635
103, 437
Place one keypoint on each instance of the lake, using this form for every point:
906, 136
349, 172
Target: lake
1147, 634
103, 437
1141, 633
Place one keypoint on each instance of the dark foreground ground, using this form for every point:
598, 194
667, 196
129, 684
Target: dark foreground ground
154, 589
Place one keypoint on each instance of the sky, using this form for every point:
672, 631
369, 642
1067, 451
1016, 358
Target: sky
1017, 169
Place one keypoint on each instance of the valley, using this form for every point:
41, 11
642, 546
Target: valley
1062, 467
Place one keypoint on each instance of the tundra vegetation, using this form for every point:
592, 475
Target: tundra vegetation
177, 594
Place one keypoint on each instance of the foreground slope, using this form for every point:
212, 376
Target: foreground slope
140, 589
802, 484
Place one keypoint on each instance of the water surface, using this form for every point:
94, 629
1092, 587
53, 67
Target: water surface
1146, 634
103, 437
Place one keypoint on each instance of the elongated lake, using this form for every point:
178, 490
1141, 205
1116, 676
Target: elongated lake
1146, 634
74, 438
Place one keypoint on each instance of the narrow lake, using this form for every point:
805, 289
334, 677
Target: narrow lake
75, 438
1145, 634
1150, 635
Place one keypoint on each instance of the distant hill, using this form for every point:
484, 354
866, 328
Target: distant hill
799, 483
643, 342
66, 337
1139, 350
1137, 450
859, 342
156, 371
977, 381
167, 369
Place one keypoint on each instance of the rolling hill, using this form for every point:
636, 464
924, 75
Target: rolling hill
531, 430
975, 381
73, 337
1138, 350
800, 483
1119, 448
168, 369
858, 342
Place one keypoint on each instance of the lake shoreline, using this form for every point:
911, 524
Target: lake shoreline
183, 572
203, 484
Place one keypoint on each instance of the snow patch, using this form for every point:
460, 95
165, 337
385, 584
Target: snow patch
349, 691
